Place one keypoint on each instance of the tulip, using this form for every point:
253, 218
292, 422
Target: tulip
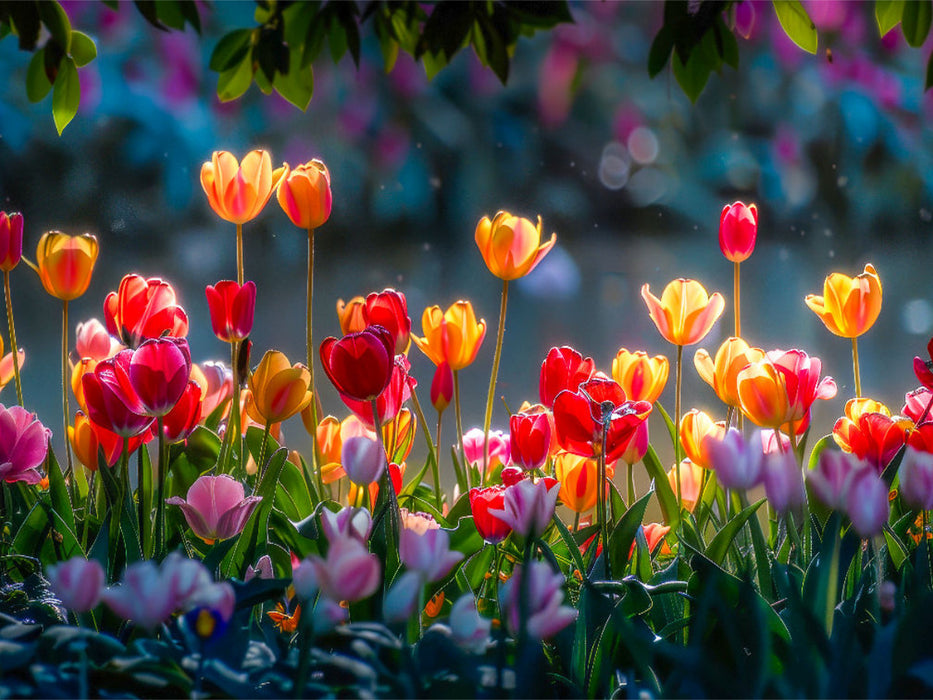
643, 378
401, 601
802, 383
350, 315
849, 307
279, 389
304, 194
231, 307
389, 309
84, 441
144, 308
579, 481
216, 507
11, 240
24, 444
695, 427
867, 503
738, 229
540, 597
921, 437
637, 447
563, 368
916, 479
829, 482
484, 503
654, 537
738, 464
216, 382
469, 629
347, 522
783, 481
262, 570
763, 395
442, 387
159, 371
237, 192
685, 313
453, 336
363, 459
93, 341
529, 506
78, 583
530, 439
686, 481
916, 403
111, 400
731, 358
418, 521
66, 263
184, 417
329, 440
88, 439
389, 402
427, 553
924, 368
871, 434
360, 365
474, 448
511, 245
349, 572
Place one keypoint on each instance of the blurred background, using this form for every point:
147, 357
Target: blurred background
835, 149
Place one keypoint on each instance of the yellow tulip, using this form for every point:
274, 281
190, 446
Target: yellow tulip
642, 377
849, 306
66, 263
578, 480
731, 358
511, 245
695, 426
304, 194
279, 390
453, 336
763, 395
237, 192
685, 313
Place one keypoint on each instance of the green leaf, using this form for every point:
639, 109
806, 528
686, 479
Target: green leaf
693, 76
660, 51
662, 487
915, 22
572, 547
233, 82
230, 50
292, 494
727, 45
58, 492
797, 24
888, 14
929, 79
66, 95
83, 48
896, 549
824, 443
297, 85
623, 534
719, 546
56, 21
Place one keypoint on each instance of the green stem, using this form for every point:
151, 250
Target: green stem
631, 484
159, 545
467, 482
239, 254
262, 452
858, 380
234, 416
9, 318
601, 483
736, 292
437, 478
315, 453
419, 413
66, 411
492, 379
677, 387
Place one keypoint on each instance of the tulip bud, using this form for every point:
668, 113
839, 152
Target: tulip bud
66, 263
78, 583
529, 439
867, 503
428, 553
469, 629
363, 459
916, 479
738, 229
389, 309
830, 479
783, 479
350, 315
442, 387
231, 308
529, 506
11, 240
402, 599
304, 194
737, 463
510, 245
349, 572
485, 503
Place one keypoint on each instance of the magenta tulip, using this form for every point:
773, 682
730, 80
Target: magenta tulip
738, 229
916, 479
529, 506
11, 240
24, 444
231, 306
216, 507
349, 572
159, 372
867, 502
112, 402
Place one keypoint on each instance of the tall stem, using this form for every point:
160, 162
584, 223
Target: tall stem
466, 467
437, 477
159, 546
69, 472
315, 453
492, 379
736, 294
631, 484
416, 404
233, 421
677, 386
9, 318
239, 254
601, 483
858, 379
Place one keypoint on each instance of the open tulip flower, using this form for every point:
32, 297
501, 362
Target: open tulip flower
389, 402
144, 308
24, 444
695, 428
849, 305
474, 448
511, 245
685, 313
279, 389
112, 402
563, 368
803, 384
159, 371
231, 306
528, 506
216, 507
453, 336
389, 309
722, 374
642, 377
66, 263
236, 191
360, 365
875, 436
304, 194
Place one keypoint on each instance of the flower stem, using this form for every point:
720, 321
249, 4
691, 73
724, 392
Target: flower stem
159, 546
315, 452
601, 500
736, 293
464, 482
631, 484
677, 387
492, 379
239, 254
427, 436
9, 318
858, 379
69, 472
262, 452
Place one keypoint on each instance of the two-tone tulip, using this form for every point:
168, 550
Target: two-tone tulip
279, 389
738, 229
453, 336
304, 194
231, 307
849, 305
66, 263
111, 400
236, 191
159, 372
695, 428
685, 313
144, 308
511, 245
642, 377
722, 373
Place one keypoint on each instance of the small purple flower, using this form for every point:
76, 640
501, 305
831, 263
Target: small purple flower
216, 507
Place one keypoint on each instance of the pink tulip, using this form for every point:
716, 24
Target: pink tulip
347, 522
915, 404
11, 240
417, 520
830, 480
546, 615
402, 599
24, 444
867, 503
92, 340
737, 463
738, 229
801, 374
469, 629
216, 508
783, 480
349, 572
500, 450
159, 372
363, 459
529, 506
78, 583
112, 402
262, 570
181, 421
637, 446
427, 553
231, 307
219, 386
916, 479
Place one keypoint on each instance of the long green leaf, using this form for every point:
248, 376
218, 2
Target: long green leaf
719, 546
797, 24
623, 535
888, 14
662, 487
66, 94
916, 20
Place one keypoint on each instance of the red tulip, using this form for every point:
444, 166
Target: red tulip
924, 368
563, 368
390, 401
360, 365
530, 438
915, 405
143, 309
442, 387
231, 307
580, 417
738, 229
491, 528
389, 309
159, 373
11, 240
112, 403
178, 423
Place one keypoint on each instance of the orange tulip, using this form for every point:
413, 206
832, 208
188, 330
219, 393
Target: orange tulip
511, 245
763, 395
6, 365
84, 441
279, 390
685, 313
85, 366
237, 192
350, 315
731, 358
691, 476
695, 426
849, 306
304, 194
642, 377
66, 263
578, 480
398, 435
453, 336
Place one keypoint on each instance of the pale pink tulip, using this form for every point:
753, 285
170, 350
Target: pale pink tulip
402, 599
916, 479
363, 459
262, 570
78, 583
830, 480
500, 450
216, 507
546, 615
529, 506
24, 444
427, 553
783, 481
417, 520
867, 502
92, 340
469, 629
737, 462
347, 522
349, 572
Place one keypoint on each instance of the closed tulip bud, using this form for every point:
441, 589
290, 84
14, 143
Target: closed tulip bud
231, 307
159, 371
66, 263
529, 439
484, 503
237, 192
563, 369
83, 441
389, 309
181, 421
279, 389
916, 479
783, 481
722, 374
216, 507
849, 305
78, 583
637, 446
738, 229
685, 313
349, 572
691, 477
474, 448
453, 336
867, 503
93, 341
360, 365
442, 387
737, 463
469, 629
144, 308
511, 245
350, 315
545, 616
304, 194
11, 240
695, 427
829, 481
763, 395
643, 378
112, 402
427, 553
363, 459
347, 522
529, 506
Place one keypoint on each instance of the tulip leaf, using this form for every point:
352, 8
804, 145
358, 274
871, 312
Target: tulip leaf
888, 14
83, 48
824, 443
719, 546
291, 494
32, 531
896, 549
69, 546
662, 487
916, 20
692, 75
797, 24
623, 535
58, 492
668, 423
66, 94
37, 82
573, 549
